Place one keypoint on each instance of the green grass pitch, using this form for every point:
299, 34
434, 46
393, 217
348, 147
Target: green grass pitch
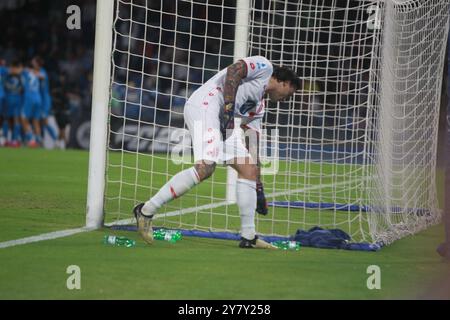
43, 191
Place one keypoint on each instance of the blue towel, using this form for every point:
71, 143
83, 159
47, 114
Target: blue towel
330, 239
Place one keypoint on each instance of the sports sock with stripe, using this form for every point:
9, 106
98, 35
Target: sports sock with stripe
178, 185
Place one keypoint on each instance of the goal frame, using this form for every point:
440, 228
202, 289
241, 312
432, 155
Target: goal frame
99, 114
101, 100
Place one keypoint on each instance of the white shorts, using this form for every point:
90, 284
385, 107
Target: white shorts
201, 114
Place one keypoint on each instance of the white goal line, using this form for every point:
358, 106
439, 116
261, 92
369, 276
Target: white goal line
45, 236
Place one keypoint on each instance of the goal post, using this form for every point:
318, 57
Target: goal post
99, 115
240, 51
355, 149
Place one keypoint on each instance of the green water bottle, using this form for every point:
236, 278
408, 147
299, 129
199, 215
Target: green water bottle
171, 236
287, 245
119, 241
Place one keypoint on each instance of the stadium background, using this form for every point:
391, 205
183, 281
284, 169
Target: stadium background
42, 31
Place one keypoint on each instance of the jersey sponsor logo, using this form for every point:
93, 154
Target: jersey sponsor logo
261, 65
247, 106
252, 65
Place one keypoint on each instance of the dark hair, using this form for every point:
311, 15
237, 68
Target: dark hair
286, 74
39, 60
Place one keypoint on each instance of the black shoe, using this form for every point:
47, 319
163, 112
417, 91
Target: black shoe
255, 243
144, 223
245, 243
137, 210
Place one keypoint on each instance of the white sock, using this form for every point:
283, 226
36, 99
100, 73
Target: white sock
178, 185
246, 201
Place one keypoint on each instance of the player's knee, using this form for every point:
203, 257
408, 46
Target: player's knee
251, 173
205, 169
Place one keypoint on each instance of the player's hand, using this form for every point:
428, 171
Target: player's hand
261, 202
227, 121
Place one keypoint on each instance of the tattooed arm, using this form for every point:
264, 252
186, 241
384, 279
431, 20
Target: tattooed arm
235, 73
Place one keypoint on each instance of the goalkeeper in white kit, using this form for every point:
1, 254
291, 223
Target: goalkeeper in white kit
237, 90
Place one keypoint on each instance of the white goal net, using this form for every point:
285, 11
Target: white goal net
355, 149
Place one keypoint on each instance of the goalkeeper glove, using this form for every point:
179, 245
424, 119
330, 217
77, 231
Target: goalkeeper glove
227, 121
261, 202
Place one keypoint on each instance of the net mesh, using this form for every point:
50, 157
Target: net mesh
354, 149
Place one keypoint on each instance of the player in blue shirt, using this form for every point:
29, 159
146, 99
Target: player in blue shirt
37, 66
32, 107
14, 85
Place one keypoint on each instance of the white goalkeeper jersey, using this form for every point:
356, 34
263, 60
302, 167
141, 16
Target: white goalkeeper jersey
249, 102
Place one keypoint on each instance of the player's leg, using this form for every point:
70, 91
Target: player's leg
14, 108
5, 129
7, 111
16, 136
246, 201
16, 126
26, 115
28, 132
10, 124
205, 146
36, 120
37, 132
178, 185
3, 140
204, 141
246, 195
238, 157
3, 122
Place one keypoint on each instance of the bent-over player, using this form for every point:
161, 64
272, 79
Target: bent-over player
237, 90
